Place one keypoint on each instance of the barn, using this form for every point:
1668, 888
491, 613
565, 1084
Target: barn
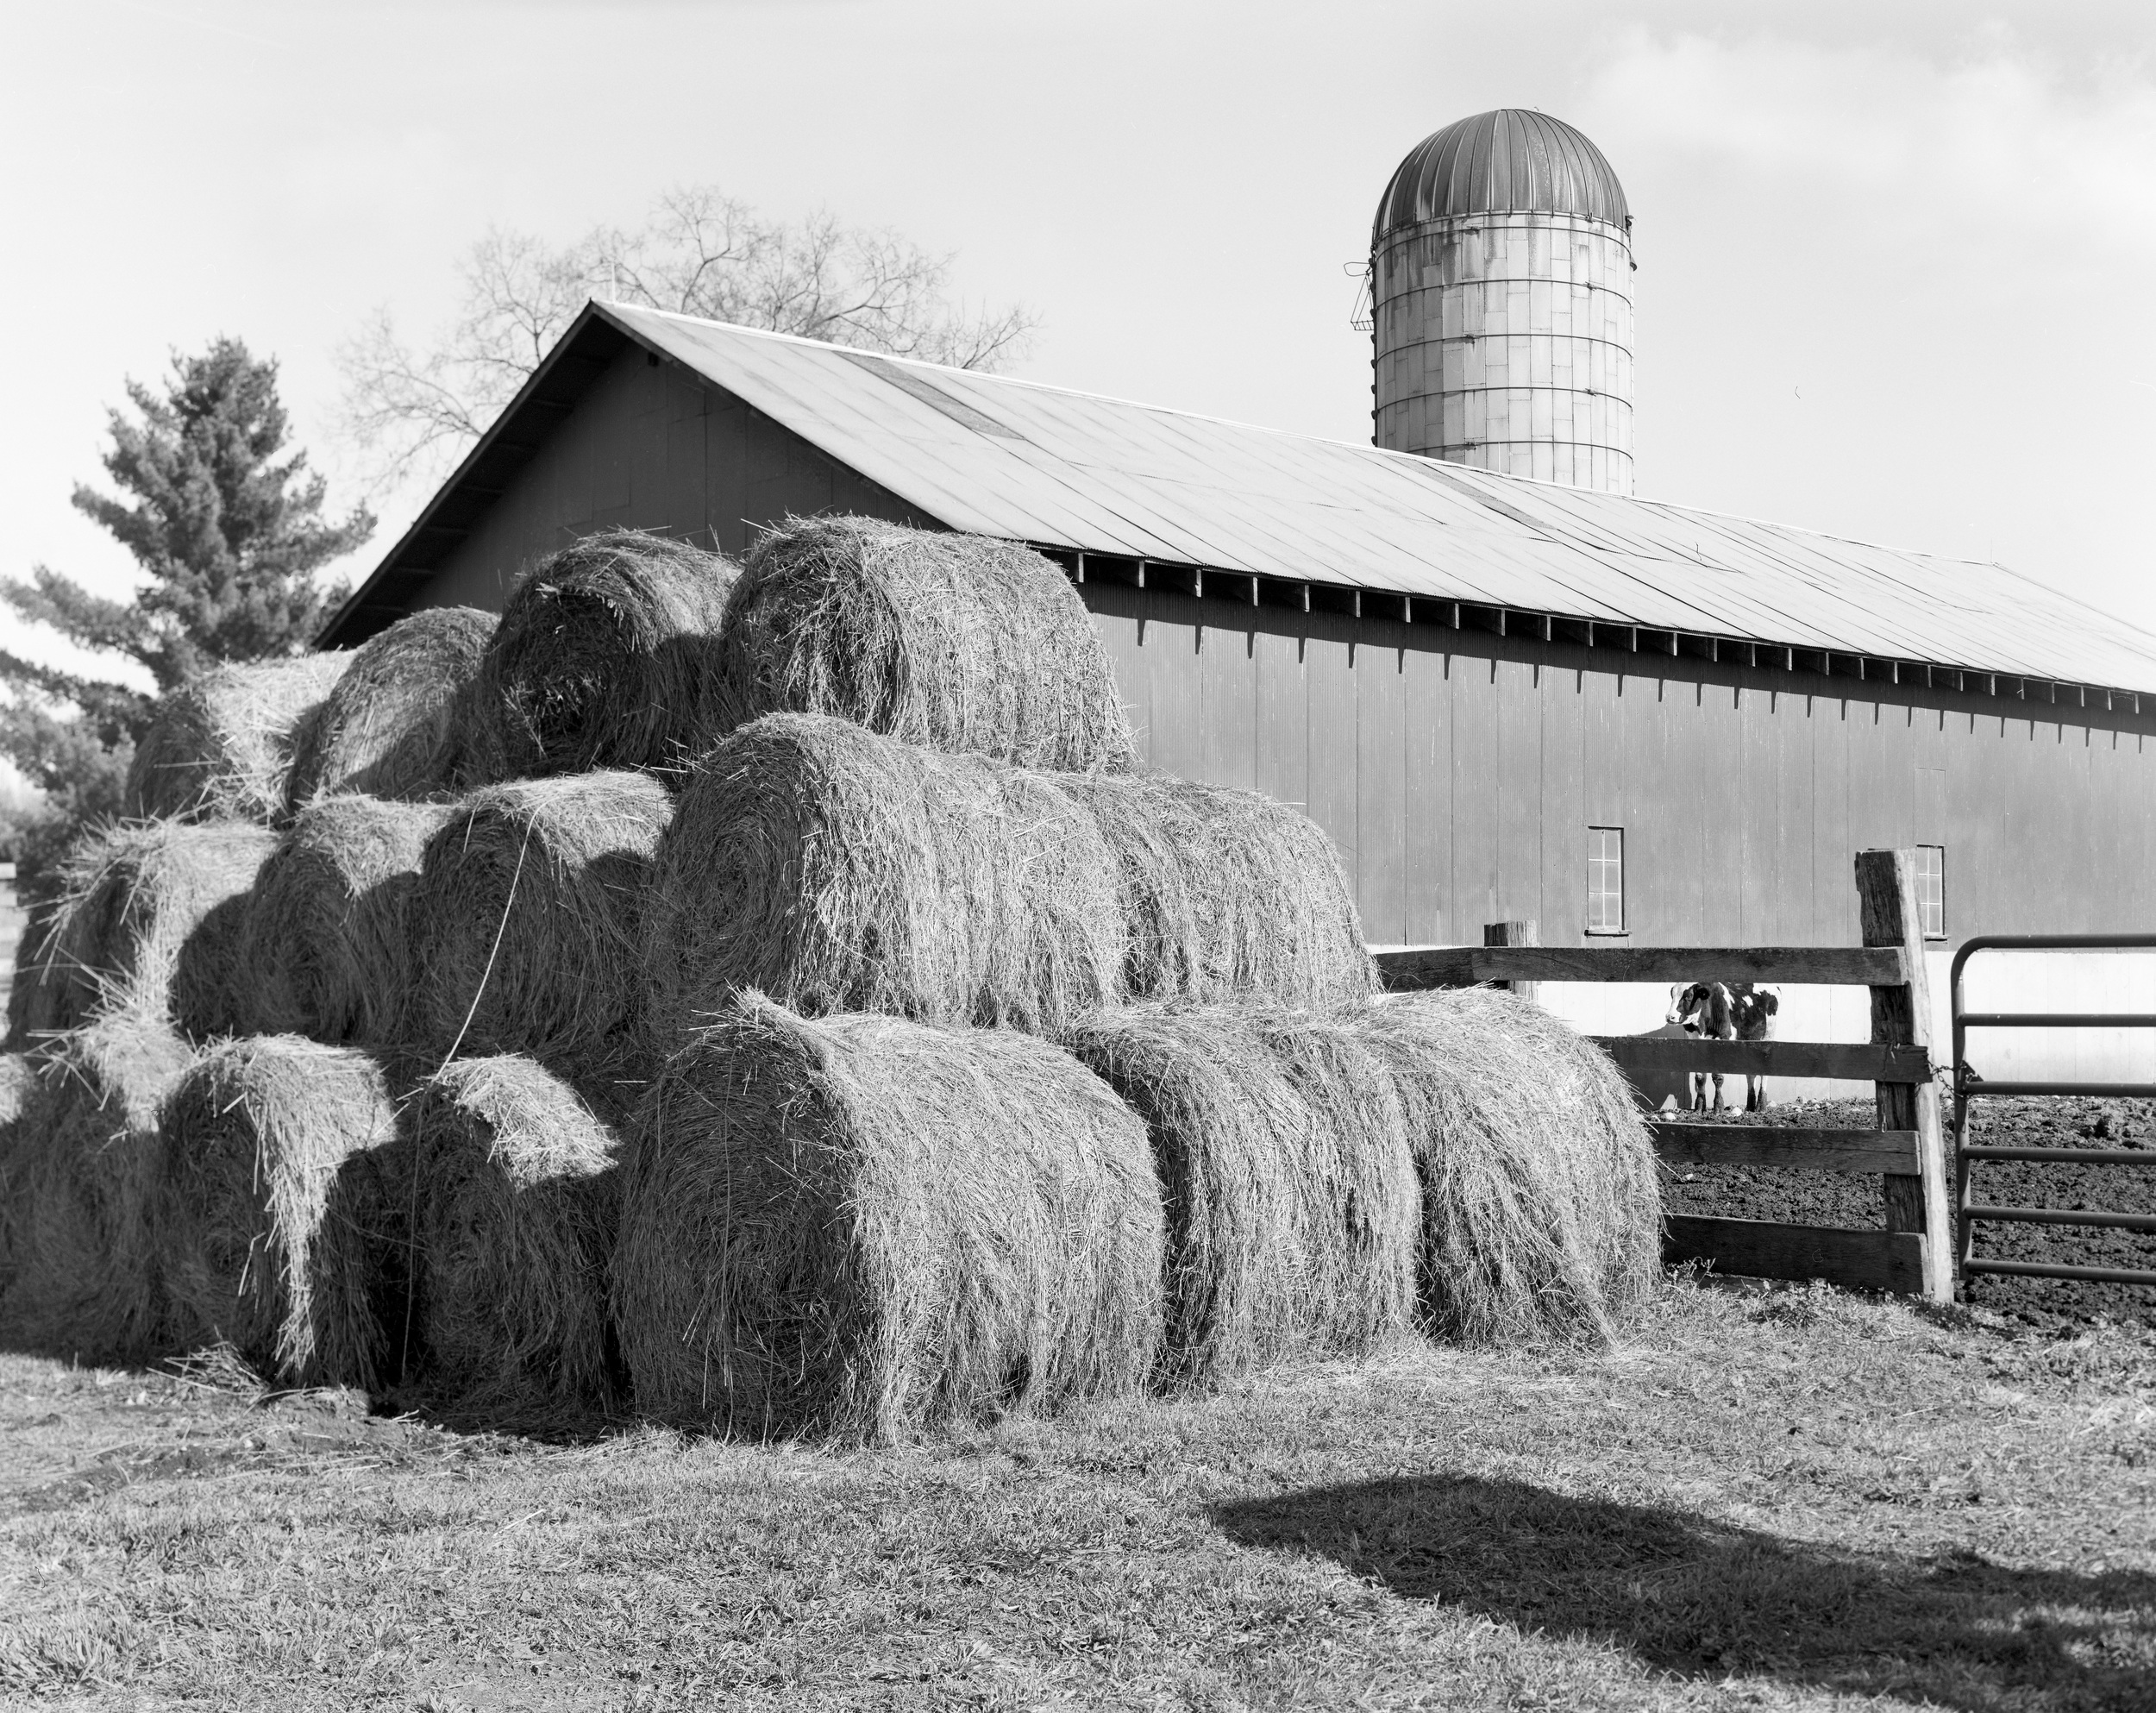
1505, 697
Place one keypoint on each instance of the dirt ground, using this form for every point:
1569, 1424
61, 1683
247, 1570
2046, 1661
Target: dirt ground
1839, 1199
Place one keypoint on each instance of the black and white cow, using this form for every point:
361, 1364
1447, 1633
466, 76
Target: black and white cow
1706, 1009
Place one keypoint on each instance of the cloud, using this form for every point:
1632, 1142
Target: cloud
2014, 143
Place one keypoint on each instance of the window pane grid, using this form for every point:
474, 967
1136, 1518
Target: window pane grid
1606, 880
1930, 889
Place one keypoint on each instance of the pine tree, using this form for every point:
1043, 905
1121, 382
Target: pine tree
229, 541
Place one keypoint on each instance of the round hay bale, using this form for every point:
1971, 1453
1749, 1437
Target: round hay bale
838, 870
394, 725
327, 947
1541, 1202
960, 642
604, 657
279, 1217
1291, 1201
519, 1202
81, 1179
530, 908
221, 746
131, 929
863, 1227
1227, 892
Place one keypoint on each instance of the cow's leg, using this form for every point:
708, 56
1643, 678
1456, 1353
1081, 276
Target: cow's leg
1718, 1106
1698, 1091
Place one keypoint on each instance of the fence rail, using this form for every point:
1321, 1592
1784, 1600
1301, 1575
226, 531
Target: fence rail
1914, 1253
1461, 966
1762, 1144
1850, 1061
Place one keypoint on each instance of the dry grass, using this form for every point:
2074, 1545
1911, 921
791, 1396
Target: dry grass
1788, 1500
605, 657
864, 1228
143, 921
328, 950
220, 747
519, 1202
960, 642
836, 870
80, 1173
1542, 1207
1283, 1160
395, 724
277, 1221
530, 909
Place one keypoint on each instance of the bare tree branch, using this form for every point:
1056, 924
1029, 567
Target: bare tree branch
698, 253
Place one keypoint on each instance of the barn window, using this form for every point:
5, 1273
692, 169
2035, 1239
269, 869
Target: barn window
1605, 879
1930, 889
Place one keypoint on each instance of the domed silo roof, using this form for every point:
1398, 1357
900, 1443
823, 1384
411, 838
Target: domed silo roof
1509, 160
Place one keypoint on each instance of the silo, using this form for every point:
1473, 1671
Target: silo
1501, 279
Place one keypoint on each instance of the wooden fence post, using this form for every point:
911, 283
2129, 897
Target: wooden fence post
1901, 1016
1515, 934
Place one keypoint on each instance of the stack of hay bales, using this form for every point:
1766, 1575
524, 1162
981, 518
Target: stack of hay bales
809, 1019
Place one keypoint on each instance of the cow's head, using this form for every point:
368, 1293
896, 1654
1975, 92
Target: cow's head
1703, 1008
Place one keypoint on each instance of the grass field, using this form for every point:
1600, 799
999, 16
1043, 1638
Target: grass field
1764, 1499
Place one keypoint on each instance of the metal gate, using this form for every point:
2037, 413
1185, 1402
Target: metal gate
1968, 1084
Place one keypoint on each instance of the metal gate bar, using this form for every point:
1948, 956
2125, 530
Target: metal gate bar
2047, 1270
1968, 1085
2070, 1157
2064, 1216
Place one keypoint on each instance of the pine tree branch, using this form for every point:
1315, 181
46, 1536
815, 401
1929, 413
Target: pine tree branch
65, 605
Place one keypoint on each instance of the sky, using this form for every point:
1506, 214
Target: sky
1894, 258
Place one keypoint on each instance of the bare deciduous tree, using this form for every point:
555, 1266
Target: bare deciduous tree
698, 254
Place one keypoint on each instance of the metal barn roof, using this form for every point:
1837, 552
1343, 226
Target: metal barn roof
1071, 470
1509, 160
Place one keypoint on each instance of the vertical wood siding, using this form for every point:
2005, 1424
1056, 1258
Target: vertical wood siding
1458, 773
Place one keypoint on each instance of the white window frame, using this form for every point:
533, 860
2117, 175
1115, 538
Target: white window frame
1599, 863
1931, 891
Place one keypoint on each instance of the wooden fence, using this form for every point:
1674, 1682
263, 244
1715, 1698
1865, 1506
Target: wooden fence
1914, 1252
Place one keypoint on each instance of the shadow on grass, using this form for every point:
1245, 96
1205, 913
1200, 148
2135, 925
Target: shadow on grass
1701, 1599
